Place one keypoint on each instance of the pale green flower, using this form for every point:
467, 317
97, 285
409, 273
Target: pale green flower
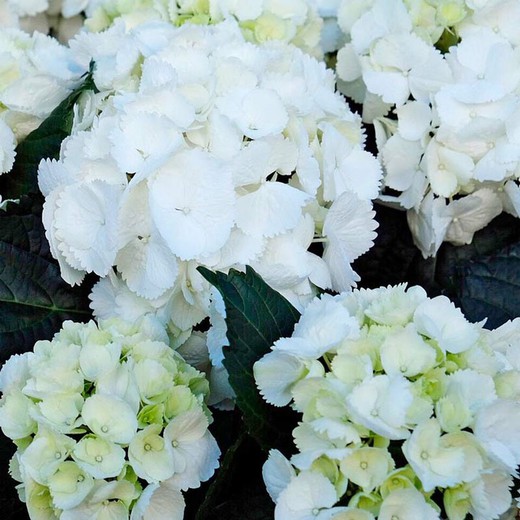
507, 385
278, 372
69, 485
14, 373
180, 399
405, 352
99, 457
351, 369
151, 455
157, 351
368, 501
195, 451
353, 513
328, 467
153, 380
60, 411
457, 502
121, 382
106, 501
110, 418
16, 418
406, 504
151, 414
39, 501
99, 355
453, 413
43, 456
433, 459
398, 479
450, 12
54, 369
395, 305
367, 467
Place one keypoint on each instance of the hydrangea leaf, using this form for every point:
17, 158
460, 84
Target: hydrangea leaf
451, 260
256, 316
490, 287
43, 142
34, 300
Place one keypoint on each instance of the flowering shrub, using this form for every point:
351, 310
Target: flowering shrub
451, 158
406, 408
109, 422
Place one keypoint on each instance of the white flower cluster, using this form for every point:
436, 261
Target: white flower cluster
215, 152
453, 154
109, 422
36, 74
406, 408
61, 17
294, 21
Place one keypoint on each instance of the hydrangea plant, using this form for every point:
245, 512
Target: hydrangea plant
406, 409
108, 421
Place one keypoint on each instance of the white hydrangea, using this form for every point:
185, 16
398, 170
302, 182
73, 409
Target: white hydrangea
402, 418
89, 440
291, 21
451, 155
36, 74
209, 151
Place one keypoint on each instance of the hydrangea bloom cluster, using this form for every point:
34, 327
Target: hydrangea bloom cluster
109, 422
62, 17
406, 407
36, 74
294, 21
212, 151
452, 156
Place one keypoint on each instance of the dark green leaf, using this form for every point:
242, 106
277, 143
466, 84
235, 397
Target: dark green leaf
256, 316
44, 142
21, 226
490, 287
451, 260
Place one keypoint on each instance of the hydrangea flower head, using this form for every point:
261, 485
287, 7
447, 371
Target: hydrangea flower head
103, 442
399, 417
436, 80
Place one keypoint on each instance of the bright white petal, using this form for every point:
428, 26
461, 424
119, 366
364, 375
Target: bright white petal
192, 204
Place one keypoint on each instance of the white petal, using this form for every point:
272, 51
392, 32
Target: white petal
471, 213
159, 502
277, 472
192, 204
270, 210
